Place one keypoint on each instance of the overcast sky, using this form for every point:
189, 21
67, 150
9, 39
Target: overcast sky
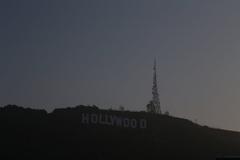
59, 53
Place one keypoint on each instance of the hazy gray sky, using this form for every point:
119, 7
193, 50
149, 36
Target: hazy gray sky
56, 53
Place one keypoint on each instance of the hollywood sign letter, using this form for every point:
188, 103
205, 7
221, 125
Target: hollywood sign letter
113, 120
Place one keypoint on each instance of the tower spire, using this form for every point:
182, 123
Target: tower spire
154, 105
155, 95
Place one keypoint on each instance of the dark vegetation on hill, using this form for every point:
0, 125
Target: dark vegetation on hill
35, 134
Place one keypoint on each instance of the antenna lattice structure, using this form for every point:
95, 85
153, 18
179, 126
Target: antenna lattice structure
154, 105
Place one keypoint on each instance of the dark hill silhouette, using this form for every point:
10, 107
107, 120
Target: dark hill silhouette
35, 134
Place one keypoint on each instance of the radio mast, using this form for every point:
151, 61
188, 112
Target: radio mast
154, 105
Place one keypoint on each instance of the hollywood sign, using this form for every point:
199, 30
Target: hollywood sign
113, 120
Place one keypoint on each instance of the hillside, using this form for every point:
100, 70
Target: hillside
86, 132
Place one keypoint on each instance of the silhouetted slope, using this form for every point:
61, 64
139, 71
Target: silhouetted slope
36, 134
